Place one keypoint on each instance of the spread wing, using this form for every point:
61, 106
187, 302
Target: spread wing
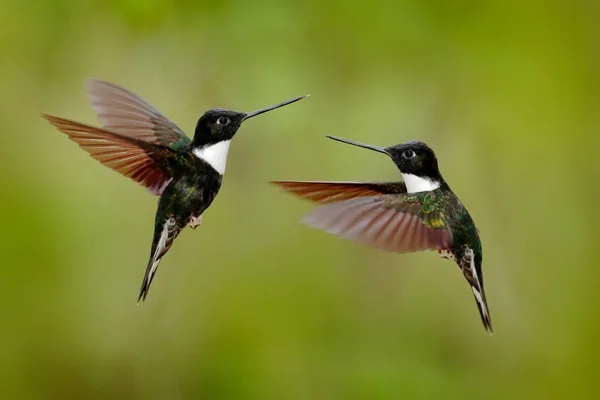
143, 162
323, 192
399, 223
127, 114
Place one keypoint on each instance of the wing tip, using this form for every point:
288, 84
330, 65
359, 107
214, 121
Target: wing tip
288, 186
89, 83
60, 121
57, 122
310, 220
47, 117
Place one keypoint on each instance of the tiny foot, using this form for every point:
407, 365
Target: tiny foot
446, 253
195, 221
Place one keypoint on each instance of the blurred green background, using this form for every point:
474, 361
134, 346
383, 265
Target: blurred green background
253, 305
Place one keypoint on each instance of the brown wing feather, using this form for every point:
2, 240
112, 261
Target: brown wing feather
367, 220
134, 159
125, 113
324, 192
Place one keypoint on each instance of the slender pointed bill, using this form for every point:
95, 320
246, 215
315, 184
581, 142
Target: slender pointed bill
363, 145
264, 110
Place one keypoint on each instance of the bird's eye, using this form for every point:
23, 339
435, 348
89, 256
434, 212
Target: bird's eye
223, 121
408, 154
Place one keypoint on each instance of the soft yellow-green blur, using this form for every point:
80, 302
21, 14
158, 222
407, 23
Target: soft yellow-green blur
252, 304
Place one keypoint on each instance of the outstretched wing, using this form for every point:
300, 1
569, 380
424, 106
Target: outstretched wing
127, 114
398, 223
143, 162
323, 192
164, 235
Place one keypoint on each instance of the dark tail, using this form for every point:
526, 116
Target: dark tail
165, 232
470, 264
483, 308
150, 273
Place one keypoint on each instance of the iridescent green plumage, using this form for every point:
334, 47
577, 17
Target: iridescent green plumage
428, 206
420, 213
139, 142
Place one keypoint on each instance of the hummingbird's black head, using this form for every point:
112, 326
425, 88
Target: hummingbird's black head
218, 125
216, 128
415, 160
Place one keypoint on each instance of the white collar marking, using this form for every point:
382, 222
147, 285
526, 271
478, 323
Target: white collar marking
214, 154
416, 184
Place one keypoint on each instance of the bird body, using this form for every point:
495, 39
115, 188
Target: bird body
139, 142
419, 213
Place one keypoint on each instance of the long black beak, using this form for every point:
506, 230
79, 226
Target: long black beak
366, 146
264, 110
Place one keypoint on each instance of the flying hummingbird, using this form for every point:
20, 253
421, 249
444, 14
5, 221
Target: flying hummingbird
420, 213
145, 146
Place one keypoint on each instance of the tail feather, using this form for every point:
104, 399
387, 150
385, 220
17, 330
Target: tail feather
164, 235
483, 308
148, 277
470, 263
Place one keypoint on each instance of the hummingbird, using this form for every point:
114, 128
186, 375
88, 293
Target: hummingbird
419, 213
139, 142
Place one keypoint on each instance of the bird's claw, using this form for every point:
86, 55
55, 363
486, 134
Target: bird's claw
195, 221
446, 253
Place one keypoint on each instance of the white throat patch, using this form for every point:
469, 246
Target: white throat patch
214, 154
416, 184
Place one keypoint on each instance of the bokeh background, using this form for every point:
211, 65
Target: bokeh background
253, 305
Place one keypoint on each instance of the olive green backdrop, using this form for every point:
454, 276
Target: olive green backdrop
253, 305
